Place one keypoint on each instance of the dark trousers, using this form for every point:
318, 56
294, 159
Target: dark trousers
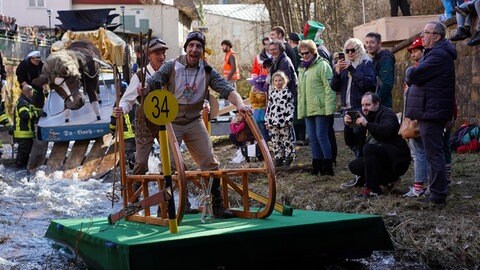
376, 167
23, 151
333, 139
432, 138
404, 7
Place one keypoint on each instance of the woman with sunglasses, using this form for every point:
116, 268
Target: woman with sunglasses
316, 104
353, 76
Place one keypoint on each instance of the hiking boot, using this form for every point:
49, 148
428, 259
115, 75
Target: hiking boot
354, 182
369, 193
413, 192
475, 39
220, 212
461, 34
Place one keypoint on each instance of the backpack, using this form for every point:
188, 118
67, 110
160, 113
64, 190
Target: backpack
466, 139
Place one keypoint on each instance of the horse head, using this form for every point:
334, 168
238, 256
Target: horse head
64, 75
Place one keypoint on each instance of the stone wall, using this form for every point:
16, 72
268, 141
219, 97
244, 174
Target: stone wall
467, 67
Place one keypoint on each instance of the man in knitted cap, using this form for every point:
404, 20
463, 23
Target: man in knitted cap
188, 77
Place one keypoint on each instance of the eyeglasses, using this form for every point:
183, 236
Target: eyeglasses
350, 50
304, 53
429, 33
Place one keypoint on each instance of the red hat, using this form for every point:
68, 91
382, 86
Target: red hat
417, 43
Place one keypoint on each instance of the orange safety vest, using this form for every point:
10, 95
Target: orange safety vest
227, 68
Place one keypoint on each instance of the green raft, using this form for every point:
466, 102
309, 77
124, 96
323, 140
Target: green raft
277, 242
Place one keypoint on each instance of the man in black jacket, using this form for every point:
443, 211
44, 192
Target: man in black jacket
386, 155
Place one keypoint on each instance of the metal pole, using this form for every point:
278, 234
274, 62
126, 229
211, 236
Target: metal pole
49, 12
363, 10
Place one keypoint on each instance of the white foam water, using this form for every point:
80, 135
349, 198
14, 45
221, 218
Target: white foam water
29, 203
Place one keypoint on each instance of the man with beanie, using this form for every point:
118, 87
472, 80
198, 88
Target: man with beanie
188, 77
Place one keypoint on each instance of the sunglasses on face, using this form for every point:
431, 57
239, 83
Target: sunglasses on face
304, 53
350, 50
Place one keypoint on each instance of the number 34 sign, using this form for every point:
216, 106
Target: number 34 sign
160, 107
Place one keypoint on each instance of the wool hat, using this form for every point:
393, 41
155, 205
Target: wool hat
313, 30
417, 43
34, 54
157, 44
294, 36
195, 35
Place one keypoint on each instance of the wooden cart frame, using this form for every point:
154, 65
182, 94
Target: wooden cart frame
181, 177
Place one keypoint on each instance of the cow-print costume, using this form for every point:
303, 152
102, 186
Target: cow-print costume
279, 120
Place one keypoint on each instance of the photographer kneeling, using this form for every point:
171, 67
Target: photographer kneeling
386, 155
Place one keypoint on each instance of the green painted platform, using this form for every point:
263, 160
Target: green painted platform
278, 242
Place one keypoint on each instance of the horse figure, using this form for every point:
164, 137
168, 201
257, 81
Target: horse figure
72, 69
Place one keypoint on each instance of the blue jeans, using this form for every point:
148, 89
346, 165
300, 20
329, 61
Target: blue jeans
420, 168
317, 130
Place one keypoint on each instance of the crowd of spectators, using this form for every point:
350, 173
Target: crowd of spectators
9, 29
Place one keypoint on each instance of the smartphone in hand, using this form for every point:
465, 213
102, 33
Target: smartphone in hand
354, 115
341, 56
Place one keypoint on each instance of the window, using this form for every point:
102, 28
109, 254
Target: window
36, 3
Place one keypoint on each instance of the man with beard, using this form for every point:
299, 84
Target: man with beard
188, 77
386, 155
231, 72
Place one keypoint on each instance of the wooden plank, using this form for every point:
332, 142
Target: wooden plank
37, 155
74, 160
93, 158
57, 157
107, 163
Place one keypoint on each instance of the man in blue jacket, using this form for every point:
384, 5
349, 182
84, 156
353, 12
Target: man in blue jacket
431, 99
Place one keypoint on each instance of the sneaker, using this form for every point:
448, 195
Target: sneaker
354, 182
413, 193
368, 193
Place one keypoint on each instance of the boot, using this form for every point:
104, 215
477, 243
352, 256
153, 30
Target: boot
278, 162
462, 33
327, 167
475, 40
219, 210
321, 166
316, 166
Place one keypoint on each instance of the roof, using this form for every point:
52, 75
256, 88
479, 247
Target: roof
254, 13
